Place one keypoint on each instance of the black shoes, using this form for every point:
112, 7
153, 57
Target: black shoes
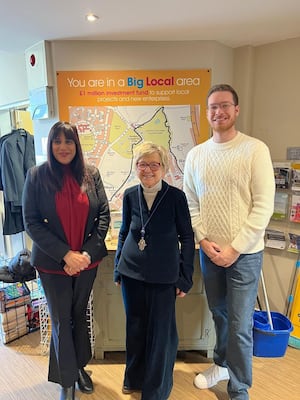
67, 393
85, 383
128, 390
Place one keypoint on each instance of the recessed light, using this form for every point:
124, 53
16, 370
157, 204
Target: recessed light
91, 17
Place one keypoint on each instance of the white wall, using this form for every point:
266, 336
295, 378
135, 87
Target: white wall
5, 123
107, 55
244, 84
13, 80
276, 95
267, 79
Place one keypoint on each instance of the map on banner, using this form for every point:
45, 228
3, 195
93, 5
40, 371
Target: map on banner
108, 135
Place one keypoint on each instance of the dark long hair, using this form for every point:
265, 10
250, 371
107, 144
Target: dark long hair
53, 171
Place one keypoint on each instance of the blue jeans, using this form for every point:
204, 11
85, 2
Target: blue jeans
231, 294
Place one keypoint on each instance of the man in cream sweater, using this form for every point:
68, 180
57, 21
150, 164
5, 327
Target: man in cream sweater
229, 184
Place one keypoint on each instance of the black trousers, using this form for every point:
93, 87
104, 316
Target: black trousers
151, 337
70, 347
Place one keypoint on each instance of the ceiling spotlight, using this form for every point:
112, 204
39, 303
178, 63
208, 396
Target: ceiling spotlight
91, 17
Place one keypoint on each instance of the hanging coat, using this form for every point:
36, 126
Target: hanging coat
17, 155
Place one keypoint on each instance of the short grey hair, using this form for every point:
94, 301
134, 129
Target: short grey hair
147, 148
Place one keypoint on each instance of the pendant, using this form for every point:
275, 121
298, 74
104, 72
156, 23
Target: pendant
142, 244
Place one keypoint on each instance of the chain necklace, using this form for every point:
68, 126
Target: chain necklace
142, 242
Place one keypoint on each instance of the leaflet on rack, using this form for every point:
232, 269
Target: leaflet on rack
275, 239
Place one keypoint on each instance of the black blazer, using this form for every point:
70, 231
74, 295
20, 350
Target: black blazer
45, 229
169, 254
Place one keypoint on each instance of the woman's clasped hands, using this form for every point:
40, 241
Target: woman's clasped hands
76, 262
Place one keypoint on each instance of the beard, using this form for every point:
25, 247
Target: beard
224, 126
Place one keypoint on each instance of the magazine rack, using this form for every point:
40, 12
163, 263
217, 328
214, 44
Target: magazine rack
284, 228
18, 312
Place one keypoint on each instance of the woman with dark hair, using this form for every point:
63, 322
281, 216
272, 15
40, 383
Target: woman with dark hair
66, 215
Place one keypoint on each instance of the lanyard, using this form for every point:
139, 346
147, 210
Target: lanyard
142, 243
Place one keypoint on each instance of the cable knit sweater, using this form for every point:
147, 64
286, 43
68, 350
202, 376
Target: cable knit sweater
230, 190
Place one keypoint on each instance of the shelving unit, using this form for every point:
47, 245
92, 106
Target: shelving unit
286, 217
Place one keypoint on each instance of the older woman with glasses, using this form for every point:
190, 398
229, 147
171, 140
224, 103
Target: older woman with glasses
154, 264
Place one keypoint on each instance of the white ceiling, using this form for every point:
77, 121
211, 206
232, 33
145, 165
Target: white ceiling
231, 22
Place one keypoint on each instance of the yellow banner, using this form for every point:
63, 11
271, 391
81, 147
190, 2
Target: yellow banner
135, 88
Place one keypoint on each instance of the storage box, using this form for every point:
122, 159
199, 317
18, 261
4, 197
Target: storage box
13, 323
14, 295
267, 342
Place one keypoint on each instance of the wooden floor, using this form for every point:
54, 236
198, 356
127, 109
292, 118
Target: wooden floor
23, 375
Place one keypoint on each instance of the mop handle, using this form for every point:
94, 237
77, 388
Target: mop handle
266, 300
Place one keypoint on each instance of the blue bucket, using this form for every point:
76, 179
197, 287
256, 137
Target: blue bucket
267, 342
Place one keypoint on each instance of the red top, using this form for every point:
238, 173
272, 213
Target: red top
72, 207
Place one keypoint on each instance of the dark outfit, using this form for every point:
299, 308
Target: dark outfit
149, 280
57, 222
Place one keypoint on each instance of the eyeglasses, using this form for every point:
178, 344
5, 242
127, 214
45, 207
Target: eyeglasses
223, 106
154, 166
